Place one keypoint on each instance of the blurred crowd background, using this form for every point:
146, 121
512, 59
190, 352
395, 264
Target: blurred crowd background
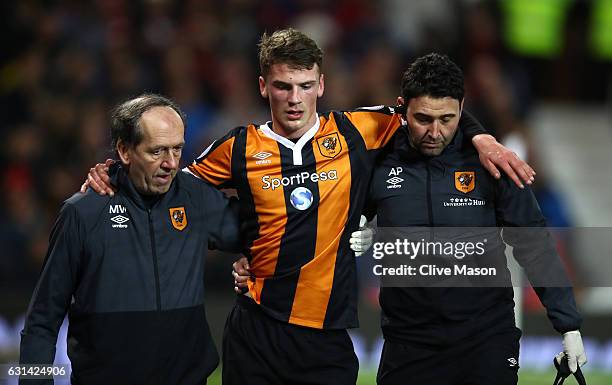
64, 64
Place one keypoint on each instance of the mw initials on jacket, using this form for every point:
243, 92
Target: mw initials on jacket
116, 209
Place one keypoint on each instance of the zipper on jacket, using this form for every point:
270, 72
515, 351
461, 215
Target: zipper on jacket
154, 255
429, 204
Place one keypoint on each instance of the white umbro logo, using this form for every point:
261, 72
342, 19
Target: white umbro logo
120, 221
395, 180
512, 362
262, 156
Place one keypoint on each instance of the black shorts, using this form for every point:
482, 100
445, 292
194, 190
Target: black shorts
258, 349
476, 361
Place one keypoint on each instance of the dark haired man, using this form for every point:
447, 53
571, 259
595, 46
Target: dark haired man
459, 335
128, 269
301, 179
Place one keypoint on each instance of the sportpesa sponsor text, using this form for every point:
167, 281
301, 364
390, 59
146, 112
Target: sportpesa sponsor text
270, 182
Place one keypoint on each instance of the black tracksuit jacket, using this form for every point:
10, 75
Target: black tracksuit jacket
428, 198
130, 278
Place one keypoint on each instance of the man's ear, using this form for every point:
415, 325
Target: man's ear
321, 85
123, 151
400, 101
262, 87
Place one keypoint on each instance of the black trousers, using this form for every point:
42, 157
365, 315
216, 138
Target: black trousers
482, 360
258, 349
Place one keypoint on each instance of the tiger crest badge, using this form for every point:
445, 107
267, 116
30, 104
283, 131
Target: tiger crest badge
178, 217
465, 181
329, 145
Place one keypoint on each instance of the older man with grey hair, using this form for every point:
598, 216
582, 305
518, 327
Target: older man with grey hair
128, 269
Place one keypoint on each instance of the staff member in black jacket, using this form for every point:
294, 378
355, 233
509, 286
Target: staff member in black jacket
129, 269
457, 335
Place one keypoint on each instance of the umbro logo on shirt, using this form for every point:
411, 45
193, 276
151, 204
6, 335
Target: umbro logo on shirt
262, 157
119, 221
395, 180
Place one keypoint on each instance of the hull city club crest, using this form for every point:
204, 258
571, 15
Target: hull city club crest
178, 217
329, 145
465, 181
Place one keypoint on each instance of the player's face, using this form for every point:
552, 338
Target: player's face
154, 162
293, 95
432, 122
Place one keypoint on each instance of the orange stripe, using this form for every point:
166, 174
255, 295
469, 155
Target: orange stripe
316, 277
269, 205
255, 288
216, 166
376, 128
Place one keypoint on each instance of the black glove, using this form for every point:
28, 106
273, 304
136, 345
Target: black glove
563, 371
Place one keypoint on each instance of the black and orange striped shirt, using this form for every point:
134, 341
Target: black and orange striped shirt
299, 203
